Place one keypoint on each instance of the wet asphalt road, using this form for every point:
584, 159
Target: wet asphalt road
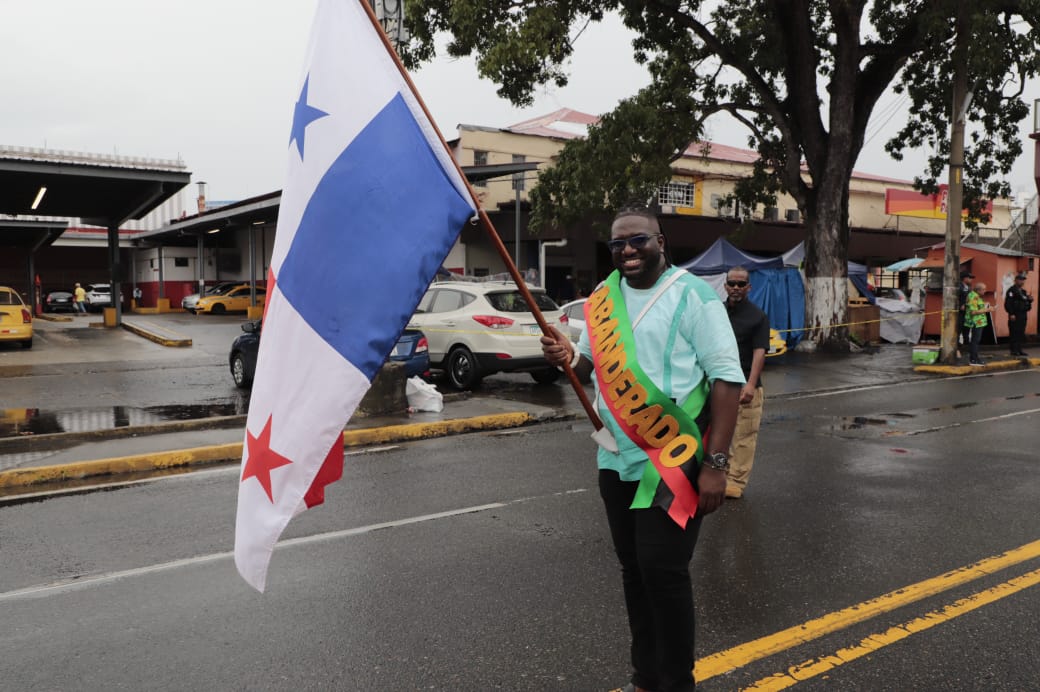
482, 562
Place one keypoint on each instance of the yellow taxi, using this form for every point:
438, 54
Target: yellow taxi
777, 346
15, 318
235, 300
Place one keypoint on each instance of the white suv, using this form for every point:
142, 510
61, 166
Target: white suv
477, 329
98, 296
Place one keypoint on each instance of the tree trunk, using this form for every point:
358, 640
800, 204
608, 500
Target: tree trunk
826, 268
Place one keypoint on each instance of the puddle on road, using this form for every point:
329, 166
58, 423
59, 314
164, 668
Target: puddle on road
858, 422
21, 422
883, 420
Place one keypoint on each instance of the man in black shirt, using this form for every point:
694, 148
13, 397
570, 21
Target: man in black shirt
1017, 302
751, 327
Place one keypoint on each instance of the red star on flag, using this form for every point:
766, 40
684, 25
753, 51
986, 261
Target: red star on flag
262, 459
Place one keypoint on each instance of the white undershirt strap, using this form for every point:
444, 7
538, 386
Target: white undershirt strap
660, 291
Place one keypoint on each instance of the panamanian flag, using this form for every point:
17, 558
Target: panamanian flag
371, 206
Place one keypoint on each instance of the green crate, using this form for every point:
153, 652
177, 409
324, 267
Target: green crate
925, 355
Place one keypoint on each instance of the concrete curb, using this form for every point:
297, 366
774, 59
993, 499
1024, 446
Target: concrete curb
215, 454
51, 317
160, 336
53, 440
993, 366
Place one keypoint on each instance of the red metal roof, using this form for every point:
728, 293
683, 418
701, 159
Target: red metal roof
567, 123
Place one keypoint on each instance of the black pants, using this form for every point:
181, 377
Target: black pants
976, 339
1017, 332
655, 558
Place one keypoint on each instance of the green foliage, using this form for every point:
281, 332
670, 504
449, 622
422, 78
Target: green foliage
1001, 53
802, 78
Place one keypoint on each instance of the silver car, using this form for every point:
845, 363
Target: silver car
574, 312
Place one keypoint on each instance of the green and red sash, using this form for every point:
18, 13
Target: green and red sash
666, 432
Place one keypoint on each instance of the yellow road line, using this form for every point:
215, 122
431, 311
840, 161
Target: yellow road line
869, 645
731, 659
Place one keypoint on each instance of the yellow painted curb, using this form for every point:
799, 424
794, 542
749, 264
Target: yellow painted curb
233, 451
420, 431
51, 317
174, 341
988, 367
128, 464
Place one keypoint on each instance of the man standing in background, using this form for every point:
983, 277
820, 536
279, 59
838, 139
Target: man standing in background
1017, 303
751, 327
79, 297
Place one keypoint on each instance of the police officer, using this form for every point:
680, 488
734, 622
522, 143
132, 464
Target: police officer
1017, 303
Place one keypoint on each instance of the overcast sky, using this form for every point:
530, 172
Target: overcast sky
213, 82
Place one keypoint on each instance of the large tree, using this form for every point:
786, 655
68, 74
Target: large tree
802, 76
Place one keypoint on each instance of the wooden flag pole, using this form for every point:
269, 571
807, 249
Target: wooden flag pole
489, 228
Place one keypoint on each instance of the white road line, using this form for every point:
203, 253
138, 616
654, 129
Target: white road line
80, 583
970, 422
889, 385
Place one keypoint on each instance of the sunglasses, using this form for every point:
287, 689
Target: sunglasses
636, 241
737, 284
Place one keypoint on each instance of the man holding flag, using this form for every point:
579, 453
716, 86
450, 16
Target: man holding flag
659, 347
369, 177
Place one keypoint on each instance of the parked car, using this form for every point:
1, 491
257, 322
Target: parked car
189, 302
411, 349
477, 329
99, 296
574, 318
15, 318
59, 301
235, 300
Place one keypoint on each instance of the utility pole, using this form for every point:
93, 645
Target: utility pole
955, 200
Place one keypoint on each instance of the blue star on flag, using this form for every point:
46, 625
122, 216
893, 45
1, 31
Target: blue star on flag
303, 115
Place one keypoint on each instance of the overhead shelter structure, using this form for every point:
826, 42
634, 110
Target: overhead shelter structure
994, 266
776, 289
253, 219
101, 190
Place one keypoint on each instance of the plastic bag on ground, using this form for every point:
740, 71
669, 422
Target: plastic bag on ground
423, 396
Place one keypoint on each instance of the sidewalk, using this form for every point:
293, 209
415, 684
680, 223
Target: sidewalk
43, 459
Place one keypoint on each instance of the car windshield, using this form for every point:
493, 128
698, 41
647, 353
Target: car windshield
513, 301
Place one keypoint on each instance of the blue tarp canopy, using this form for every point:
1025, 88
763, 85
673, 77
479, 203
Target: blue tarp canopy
904, 265
723, 255
777, 289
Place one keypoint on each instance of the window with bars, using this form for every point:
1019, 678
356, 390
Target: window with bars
480, 159
675, 194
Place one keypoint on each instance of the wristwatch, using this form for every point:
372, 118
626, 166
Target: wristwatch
718, 461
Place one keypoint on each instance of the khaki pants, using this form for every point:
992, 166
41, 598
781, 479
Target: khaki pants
745, 438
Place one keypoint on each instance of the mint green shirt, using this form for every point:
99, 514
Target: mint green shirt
685, 335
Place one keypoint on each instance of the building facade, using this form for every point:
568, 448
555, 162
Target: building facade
694, 205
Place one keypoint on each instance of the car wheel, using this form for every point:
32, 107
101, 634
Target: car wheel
239, 374
218, 309
546, 376
27, 343
463, 371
